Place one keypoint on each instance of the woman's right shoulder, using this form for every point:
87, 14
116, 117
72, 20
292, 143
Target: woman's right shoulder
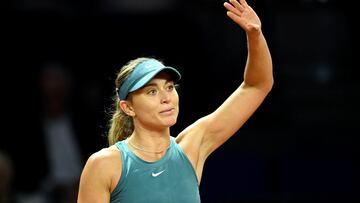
101, 173
104, 166
105, 156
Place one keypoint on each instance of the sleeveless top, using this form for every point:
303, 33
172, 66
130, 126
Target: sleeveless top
172, 179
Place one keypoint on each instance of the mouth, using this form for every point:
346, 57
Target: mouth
168, 111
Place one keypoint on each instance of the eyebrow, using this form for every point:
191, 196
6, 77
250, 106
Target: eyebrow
150, 85
154, 84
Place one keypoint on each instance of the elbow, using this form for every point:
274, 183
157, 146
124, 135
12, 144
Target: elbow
271, 83
268, 85
264, 84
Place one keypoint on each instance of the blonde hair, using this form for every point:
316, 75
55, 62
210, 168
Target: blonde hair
121, 125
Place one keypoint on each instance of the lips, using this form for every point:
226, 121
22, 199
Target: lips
167, 111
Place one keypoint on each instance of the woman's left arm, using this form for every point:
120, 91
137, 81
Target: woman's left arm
204, 136
258, 80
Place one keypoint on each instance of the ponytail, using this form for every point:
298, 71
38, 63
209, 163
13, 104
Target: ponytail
121, 125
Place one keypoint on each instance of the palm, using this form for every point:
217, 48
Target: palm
242, 14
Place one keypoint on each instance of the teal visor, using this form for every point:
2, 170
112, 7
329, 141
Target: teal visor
142, 74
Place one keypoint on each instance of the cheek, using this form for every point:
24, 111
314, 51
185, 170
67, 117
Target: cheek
145, 108
141, 106
176, 98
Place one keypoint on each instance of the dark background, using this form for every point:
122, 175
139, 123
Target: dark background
300, 146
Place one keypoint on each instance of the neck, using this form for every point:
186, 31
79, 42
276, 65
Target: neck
150, 142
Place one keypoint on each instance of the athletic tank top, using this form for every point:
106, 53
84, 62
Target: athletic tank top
171, 179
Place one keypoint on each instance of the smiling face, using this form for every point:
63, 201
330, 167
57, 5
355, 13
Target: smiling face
156, 105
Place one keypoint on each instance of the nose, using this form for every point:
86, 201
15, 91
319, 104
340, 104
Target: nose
165, 97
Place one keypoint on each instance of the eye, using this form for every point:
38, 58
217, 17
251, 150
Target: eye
151, 92
170, 87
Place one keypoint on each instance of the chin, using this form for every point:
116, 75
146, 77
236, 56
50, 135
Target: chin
171, 122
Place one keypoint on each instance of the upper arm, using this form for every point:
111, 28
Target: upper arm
98, 177
211, 131
204, 136
230, 116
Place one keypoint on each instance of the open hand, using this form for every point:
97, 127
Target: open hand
242, 14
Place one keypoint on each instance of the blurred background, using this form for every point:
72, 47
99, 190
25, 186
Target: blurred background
58, 75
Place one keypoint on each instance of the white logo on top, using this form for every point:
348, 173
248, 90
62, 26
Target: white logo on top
157, 174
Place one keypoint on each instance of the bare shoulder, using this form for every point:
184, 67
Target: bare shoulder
192, 135
105, 158
104, 165
109, 154
100, 175
190, 139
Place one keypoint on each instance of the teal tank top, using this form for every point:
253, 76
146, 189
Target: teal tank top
171, 179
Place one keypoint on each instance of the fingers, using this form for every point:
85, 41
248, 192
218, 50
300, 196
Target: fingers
237, 5
244, 3
233, 16
232, 9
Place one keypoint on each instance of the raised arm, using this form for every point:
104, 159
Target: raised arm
208, 133
258, 70
257, 83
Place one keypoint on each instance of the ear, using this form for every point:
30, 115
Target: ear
126, 107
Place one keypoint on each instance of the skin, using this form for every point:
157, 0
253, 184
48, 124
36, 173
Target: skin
154, 109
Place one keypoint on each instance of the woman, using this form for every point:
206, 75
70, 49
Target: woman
144, 163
